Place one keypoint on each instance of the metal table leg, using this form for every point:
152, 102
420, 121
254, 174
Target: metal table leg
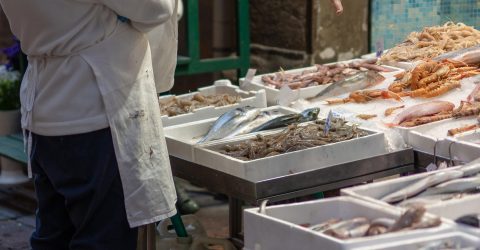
150, 228
235, 219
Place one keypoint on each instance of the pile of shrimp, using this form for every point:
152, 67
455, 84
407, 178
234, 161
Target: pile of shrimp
430, 79
432, 42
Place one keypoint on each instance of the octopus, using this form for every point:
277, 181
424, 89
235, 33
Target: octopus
432, 42
321, 74
177, 106
294, 138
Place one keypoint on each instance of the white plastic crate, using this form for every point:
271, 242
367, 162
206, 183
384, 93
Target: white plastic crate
450, 209
302, 93
465, 147
293, 162
432, 136
182, 138
458, 239
280, 227
255, 99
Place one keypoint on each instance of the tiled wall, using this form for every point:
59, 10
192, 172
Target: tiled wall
393, 20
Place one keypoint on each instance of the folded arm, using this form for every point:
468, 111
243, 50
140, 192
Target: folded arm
144, 14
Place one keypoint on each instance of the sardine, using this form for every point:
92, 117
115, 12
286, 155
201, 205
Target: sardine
471, 168
349, 224
246, 127
422, 109
356, 227
228, 122
385, 222
422, 185
283, 121
427, 222
454, 186
356, 82
325, 225
428, 200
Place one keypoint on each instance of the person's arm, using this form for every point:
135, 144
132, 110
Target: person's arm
337, 4
143, 14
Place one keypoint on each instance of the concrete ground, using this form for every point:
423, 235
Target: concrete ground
17, 220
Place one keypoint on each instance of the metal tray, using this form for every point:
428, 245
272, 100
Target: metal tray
249, 98
293, 162
182, 138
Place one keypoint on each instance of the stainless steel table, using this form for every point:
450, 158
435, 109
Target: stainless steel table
290, 186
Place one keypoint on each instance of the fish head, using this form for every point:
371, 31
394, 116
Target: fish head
311, 113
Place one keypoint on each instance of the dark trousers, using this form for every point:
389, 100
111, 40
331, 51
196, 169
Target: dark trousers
80, 195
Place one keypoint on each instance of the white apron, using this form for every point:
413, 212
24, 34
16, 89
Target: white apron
127, 85
132, 107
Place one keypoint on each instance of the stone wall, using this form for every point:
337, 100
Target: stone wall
296, 33
279, 34
338, 38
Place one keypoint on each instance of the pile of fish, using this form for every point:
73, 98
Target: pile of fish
295, 137
358, 227
177, 106
322, 74
249, 120
438, 186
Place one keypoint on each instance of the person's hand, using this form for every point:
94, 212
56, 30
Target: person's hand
337, 4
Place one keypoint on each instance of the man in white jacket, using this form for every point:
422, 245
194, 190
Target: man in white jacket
91, 119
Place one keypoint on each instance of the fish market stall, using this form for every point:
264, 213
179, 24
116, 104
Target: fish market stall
340, 125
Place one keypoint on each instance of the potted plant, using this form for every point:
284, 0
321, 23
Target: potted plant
10, 91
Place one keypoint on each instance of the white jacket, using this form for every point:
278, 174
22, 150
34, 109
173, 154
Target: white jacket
120, 57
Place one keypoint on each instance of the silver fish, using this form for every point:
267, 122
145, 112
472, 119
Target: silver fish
285, 120
246, 127
471, 168
422, 185
429, 200
356, 227
359, 81
325, 225
454, 186
386, 222
229, 121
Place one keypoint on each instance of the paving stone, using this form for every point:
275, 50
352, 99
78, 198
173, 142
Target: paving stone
14, 235
27, 220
